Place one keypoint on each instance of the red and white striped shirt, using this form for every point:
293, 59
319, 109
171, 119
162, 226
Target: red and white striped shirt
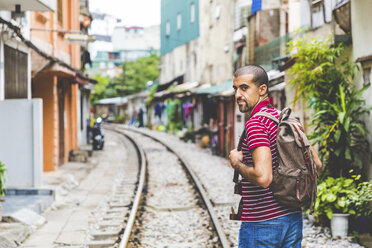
259, 203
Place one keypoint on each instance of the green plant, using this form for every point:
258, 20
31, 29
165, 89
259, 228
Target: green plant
150, 98
120, 119
335, 195
174, 116
363, 204
323, 78
2, 179
341, 132
344, 195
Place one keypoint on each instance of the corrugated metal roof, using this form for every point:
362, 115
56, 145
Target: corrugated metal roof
115, 100
216, 89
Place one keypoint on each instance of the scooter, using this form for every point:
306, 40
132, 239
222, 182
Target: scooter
97, 135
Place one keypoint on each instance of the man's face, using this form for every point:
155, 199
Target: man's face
247, 93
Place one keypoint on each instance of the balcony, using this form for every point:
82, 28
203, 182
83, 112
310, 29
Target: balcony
265, 54
29, 5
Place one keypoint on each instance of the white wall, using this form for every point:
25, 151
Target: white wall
183, 60
216, 41
6, 38
362, 35
21, 141
298, 14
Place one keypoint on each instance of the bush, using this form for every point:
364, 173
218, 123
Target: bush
120, 119
322, 77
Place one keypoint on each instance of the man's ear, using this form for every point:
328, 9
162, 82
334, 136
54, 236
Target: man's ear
263, 89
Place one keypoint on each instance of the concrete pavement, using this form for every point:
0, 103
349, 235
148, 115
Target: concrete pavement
80, 188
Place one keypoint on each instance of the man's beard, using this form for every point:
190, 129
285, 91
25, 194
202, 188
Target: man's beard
244, 108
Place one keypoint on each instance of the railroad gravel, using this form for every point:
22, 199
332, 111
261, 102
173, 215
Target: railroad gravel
171, 215
216, 176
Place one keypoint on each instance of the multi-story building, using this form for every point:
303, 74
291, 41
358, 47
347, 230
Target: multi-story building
58, 82
104, 60
343, 20
21, 128
196, 41
136, 42
197, 46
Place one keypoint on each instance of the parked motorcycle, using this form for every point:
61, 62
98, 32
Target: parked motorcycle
97, 135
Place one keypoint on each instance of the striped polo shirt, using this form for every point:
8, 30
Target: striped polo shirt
259, 203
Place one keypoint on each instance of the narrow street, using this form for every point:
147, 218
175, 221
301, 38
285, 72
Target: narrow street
80, 189
147, 123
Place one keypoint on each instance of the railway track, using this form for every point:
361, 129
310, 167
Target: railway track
170, 207
113, 219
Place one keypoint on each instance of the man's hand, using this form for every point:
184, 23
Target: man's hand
261, 173
235, 157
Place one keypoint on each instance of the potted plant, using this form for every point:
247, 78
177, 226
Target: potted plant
335, 202
338, 198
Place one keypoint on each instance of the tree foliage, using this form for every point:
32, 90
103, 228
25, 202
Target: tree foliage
132, 80
323, 79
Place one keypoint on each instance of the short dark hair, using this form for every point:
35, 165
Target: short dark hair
259, 74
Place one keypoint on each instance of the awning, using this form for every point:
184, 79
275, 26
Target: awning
274, 74
142, 94
112, 101
178, 89
29, 5
217, 89
177, 80
277, 87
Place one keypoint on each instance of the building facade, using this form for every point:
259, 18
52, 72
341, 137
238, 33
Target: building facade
58, 82
136, 42
21, 129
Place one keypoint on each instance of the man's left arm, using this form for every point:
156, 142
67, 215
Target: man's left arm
261, 173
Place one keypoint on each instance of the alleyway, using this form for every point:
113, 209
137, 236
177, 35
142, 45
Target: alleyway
80, 189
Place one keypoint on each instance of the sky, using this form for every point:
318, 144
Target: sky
131, 12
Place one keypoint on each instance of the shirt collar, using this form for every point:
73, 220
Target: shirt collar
260, 106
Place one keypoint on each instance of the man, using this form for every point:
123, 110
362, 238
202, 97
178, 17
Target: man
265, 223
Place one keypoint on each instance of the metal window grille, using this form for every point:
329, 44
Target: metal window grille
15, 73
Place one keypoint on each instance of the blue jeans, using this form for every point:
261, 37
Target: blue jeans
282, 232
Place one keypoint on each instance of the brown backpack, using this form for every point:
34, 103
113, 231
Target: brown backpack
295, 179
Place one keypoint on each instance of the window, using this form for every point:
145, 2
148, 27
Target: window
15, 68
366, 75
167, 28
192, 13
179, 21
60, 13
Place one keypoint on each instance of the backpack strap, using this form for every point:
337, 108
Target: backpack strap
238, 185
239, 148
268, 116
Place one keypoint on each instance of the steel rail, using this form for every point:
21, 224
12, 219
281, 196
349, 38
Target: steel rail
133, 212
221, 234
